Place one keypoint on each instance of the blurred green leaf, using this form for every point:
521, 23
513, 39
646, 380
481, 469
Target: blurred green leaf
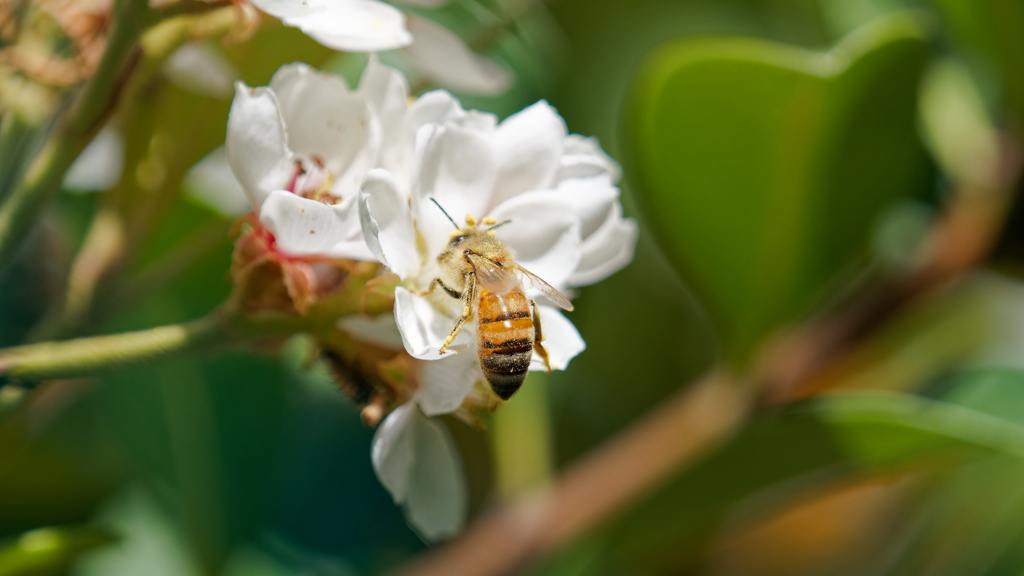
50, 550
972, 518
995, 29
56, 465
998, 391
889, 430
763, 166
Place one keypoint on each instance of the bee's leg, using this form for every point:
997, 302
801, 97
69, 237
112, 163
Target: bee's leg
467, 311
538, 337
434, 284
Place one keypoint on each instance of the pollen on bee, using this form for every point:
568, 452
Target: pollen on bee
470, 220
489, 221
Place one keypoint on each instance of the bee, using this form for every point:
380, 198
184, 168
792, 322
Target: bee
484, 270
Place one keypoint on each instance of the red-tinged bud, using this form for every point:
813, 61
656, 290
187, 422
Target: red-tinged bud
266, 278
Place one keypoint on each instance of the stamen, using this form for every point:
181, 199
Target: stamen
489, 221
470, 221
299, 171
322, 193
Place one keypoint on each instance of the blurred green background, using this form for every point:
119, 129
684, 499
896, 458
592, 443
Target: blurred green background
780, 155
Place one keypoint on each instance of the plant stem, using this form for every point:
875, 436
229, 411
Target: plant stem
94, 104
16, 134
521, 440
364, 292
87, 356
131, 209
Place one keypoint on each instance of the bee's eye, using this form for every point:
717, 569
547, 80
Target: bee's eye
458, 239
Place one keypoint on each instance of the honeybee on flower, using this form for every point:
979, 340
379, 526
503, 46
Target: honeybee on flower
491, 282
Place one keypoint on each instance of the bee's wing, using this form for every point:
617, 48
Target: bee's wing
492, 275
547, 289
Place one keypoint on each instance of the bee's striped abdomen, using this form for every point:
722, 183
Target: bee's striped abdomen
505, 340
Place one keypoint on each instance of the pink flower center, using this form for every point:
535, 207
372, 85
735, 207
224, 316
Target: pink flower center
313, 180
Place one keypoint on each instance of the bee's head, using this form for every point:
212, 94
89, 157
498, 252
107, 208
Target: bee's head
461, 235
471, 230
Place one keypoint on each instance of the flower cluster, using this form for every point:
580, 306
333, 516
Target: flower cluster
363, 174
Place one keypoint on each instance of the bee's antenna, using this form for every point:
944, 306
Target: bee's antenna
446, 214
499, 225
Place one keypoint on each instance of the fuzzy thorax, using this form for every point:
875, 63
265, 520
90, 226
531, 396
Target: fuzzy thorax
481, 242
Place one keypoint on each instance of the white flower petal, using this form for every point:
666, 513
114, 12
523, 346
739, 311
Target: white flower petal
385, 88
386, 221
457, 168
200, 69
583, 157
328, 122
445, 383
607, 250
302, 226
387, 92
211, 182
284, 8
443, 57
352, 245
393, 451
354, 25
440, 107
256, 146
435, 107
528, 145
423, 3
437, 497
424, 328
592, 200
100, 164
543, 232
561, 339
352, 249
380, 330
416, 459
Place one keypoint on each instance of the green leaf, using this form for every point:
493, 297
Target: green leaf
762, 166
995, 29
50, 550
888, 430
998, 391
971, 521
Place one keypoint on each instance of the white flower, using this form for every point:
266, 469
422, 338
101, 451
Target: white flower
558, 190
300, 149
370, 26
